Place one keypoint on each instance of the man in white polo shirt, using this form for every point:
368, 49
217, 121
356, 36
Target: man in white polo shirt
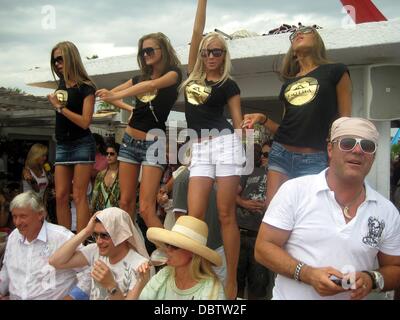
333, 225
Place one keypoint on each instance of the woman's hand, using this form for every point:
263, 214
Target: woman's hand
249, 120
143, 271
53, 100
26, 174
105, 95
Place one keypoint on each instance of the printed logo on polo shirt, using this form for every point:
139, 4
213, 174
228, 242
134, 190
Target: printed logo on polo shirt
375, 229
197, 94
302, 91
147, 97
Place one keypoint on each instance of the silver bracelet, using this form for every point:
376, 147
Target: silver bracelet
296, 275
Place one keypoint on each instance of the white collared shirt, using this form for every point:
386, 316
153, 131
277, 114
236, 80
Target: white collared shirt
320, 236
26, 273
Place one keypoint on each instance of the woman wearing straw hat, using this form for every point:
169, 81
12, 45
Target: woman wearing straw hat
188, 274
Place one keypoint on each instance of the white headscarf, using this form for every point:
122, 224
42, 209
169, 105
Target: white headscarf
120, 227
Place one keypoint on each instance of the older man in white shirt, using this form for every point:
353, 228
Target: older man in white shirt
26, 273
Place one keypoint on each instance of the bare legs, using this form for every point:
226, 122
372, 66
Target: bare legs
128, 180
63, 185
149, 186
274, 181
75, 178
199, 191
80, 184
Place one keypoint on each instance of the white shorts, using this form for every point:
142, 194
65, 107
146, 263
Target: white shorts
221, 156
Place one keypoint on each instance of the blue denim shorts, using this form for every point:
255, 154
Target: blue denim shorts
143, 152
295, 164
82, 150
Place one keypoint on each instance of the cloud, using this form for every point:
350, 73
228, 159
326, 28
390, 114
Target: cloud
109, 28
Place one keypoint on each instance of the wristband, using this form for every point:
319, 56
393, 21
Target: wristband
296, 275
265, 121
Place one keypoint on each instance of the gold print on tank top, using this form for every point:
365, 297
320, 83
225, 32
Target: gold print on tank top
197, 94
302, 91
62, 97
147, 96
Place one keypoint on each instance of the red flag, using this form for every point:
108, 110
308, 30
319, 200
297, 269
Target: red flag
364, 11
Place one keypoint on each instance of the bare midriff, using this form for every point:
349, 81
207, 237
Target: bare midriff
300, 149
139, 134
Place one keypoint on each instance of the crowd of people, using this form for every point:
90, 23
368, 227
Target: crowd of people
304, 224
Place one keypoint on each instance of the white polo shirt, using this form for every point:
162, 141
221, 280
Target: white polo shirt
320, 236
26, 273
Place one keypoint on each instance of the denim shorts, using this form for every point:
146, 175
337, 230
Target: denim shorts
82, 150
295, 164
143, 152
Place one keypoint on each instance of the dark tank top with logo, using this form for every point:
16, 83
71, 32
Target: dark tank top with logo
310, 107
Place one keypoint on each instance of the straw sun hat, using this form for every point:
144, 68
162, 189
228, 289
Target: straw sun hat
188, 233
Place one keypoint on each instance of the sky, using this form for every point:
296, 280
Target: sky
29, 29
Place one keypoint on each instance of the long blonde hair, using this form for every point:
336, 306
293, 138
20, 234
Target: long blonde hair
200, 269
290, 65
199, 74
36, 152
73, 66
169, 57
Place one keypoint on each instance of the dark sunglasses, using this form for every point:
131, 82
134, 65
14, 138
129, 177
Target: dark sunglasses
304, 30
148, 51
265, 154
171, 247
110, 154
101, 235
348, 144
215, 52
58, 59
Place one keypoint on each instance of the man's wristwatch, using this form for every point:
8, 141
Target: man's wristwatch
59, 109
112, 291
377, 280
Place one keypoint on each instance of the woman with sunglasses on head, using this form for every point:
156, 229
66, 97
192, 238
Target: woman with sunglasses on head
156, 91
106, 189
208, 89
315, 92
75, 151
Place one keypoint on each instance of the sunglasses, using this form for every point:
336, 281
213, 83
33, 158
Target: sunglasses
215, 52
112, 154
265, 154
348, 144
171, 247
304, 30
148, 51
101, 235
58, 60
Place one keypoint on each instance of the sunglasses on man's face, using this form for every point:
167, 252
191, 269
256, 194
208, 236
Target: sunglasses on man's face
112, 154
304, 30
348, 144
148, 51
215, 52
101, 235
265, 154
58, 60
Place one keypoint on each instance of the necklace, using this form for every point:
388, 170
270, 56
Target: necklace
346, 208
113, 173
